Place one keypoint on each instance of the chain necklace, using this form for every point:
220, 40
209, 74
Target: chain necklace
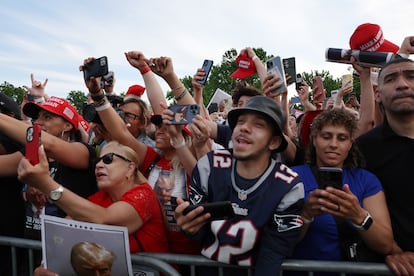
242, 194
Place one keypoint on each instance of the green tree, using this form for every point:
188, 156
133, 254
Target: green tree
16, 93
77, 99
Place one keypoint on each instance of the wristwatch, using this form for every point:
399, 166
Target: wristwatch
366, 224
55, 195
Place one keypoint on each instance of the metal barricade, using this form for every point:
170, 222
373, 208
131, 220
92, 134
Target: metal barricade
163, 263
288, 265
149, 262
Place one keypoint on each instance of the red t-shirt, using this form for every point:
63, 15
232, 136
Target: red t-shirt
152, 235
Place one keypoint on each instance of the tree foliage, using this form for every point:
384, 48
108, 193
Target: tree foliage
16, 93
77, 99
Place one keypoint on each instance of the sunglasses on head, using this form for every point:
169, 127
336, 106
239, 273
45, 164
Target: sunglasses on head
109, 157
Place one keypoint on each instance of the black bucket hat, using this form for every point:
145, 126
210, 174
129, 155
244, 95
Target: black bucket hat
267, 107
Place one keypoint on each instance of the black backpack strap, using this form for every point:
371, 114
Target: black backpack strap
152, 165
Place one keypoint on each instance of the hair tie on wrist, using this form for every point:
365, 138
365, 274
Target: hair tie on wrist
145, 70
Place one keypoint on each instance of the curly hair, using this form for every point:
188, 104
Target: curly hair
244, 90
336, 117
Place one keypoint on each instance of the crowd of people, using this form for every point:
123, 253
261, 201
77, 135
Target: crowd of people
117, 164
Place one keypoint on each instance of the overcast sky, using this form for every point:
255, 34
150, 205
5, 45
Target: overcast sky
51, 38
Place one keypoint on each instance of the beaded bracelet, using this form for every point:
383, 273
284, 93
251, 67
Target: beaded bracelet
97, 98
181, 95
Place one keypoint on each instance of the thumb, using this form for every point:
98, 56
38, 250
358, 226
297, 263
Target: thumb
346, 189
42, 155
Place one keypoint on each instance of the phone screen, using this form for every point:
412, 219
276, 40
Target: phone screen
290, 69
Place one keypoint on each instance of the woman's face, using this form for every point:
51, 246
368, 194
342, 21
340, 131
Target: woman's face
332, 145
51, 123
162, 138
112, 169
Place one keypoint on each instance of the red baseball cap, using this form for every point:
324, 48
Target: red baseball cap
246, 67
84, 124
134, 92
54, 105
369, 37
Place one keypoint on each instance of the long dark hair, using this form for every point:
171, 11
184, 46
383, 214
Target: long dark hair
336, 117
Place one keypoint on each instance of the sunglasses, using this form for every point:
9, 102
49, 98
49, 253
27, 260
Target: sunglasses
109, 157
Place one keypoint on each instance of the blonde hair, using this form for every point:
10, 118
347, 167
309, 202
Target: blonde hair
128, 153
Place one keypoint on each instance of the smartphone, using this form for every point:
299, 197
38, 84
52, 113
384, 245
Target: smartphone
330, 177
290, 69
213, 107
207, 65
96, 68
318, 94
184, 114
33, 143
219, 210
274, 66
298, 80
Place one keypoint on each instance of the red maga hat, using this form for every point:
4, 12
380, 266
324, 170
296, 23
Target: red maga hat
369, 37
55, 105
246, 67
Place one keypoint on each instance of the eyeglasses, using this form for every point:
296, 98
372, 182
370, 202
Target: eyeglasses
131, 116
109, 157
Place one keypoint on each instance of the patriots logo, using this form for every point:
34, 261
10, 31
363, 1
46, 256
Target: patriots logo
287, 222
195, 196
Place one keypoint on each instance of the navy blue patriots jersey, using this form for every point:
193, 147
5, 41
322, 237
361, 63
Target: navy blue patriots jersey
267, 223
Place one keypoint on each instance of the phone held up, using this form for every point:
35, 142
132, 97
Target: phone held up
96, 68
274, 66
207, 65
184, 114
299, 80
33, 143
289, 65
330, 177
219, 210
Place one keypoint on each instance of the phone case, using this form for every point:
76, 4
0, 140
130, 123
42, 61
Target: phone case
329, 177
207, 65
290, 68
274, 66
96, 68
184, 114
318, 94
33, 143
219, 210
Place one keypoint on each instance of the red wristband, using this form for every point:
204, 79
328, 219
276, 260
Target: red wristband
144, 70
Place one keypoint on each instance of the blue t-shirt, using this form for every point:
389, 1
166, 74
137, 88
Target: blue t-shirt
321, 240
